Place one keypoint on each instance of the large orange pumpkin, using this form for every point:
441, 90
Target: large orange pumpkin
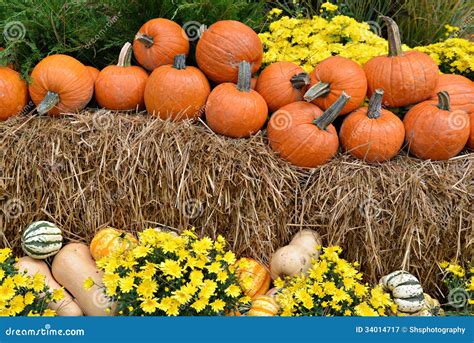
302, 133
461, 96
158, 41
13, 93
406, 77
121, 87
436, 132
223, 46
333, 76
254, 278
263, 306
109, 241
177, 91
372, 133
282, 83
236, 110
60, 84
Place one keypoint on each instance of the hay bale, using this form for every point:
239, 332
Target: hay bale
132, 171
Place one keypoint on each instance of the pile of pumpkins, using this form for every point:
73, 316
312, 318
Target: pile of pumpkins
303, 106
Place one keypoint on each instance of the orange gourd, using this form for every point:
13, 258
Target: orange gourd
436, 132
236, 110
263, 306
93, 72
302, 133
60, 84
109, 241
158, 41
177, 91
254, 278
372, 133
13, 93
461, 97
282, 83
121, 87
333, 76
223, 46
406, 77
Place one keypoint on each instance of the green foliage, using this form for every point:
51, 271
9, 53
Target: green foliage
93, 31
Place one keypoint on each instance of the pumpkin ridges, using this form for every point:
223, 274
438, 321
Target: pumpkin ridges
15, 93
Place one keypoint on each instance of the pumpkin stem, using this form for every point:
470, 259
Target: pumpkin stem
180, 62
125, 57
332, 112
50, 100
375, 104
245, 76
443, 101
147, 40
394, 40
319, 89
300, 80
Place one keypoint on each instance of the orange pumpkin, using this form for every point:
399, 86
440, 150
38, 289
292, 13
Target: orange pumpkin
121, 87
372, 133
461, 97
406, 77
436, 132
223, 46
176, 91
254, 278
13, 93
93, 72
263, 306
333, 76
60, 84
158, 41
236, 110
303, 135
282, 83
109, 241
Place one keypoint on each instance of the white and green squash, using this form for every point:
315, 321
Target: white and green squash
41, 240
406, 290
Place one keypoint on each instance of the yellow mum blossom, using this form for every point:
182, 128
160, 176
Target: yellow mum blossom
49, 313
38, 282
364, 310
146, 288
233, 291
222, 276
329, 6
202, 246
149, 305
141, 251
58, 294
20, 280
29, 298
4, 254
200, 304
171, 268
229, 257
88, 284
126, 284
217, 305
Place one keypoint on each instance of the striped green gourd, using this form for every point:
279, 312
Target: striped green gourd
406, 291
41, 240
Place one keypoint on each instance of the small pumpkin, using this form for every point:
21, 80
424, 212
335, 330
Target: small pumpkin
60, 84
13, 93
407, 77
309, 240
436, 132
93, 72
263, 306
236, 110
282, 83
41, 239
372, 134
177, 91
158, 41
109, 241
406, 291
333, 76
302, 133
461, 97
223, 46
121, 87
253, 277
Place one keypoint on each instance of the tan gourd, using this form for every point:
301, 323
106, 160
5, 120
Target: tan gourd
295, 258
65, 307
72, 266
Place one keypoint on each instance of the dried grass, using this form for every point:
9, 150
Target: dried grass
131, 171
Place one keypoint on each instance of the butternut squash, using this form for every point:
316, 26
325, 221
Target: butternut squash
71, 267
65, 307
